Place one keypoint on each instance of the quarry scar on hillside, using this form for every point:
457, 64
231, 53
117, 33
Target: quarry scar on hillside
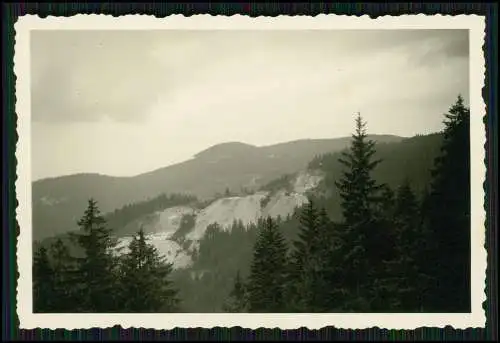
272, 181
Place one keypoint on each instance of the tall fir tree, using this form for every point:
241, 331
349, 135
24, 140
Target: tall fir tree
448, 215
96, 270
238, 298
43, 282
362, 229
145, 284
268, 270
359, 192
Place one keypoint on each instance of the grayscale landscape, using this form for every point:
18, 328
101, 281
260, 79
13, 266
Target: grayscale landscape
250, 171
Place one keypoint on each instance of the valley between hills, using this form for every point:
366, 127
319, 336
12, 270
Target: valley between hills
231, 185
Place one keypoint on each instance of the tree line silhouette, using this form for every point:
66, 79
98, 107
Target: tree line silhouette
391, 251
100, 279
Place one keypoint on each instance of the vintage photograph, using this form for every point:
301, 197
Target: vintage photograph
255, 170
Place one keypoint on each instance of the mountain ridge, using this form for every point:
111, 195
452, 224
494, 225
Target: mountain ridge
218, 146
203, 177
166, 219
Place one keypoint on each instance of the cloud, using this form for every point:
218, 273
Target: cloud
184, 91
442, 47
87, 76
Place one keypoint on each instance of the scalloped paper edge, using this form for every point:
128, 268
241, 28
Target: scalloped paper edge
29, 320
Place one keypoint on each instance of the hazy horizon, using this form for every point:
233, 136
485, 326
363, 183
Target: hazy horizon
221, 143
123, 103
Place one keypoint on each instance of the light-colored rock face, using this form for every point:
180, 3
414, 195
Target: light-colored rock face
248, 209
165, 222
171, 250
225, 211
283, 204
162, 225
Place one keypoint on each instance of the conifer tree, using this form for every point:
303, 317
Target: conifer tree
448, 215
237, 301
362, 230
145, 280
43, 282
358, 190
95, 274
267, 271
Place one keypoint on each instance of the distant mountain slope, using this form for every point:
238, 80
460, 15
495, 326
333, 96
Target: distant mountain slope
58, 202
176, 231
205, 261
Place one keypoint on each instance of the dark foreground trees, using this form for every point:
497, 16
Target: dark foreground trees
308, 264
96, 270
144, 279
366, 237
448, 216
391, 251
267, 271
43, 282
238, 301
95, 279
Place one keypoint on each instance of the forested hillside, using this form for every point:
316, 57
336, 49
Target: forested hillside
362, 243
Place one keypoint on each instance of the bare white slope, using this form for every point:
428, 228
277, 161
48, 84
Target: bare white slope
161, 227
167, 221
224, 212
283, 204
248, 208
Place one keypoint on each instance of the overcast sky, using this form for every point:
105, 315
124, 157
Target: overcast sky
122, 103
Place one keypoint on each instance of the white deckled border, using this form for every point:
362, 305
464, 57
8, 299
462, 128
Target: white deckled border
29, 320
